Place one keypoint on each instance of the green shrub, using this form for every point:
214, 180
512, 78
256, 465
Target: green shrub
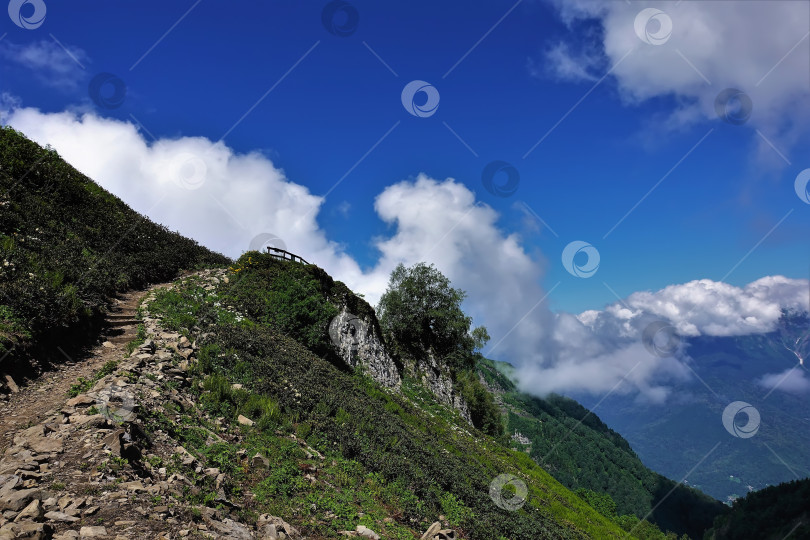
457, 514
67, 246
484, 412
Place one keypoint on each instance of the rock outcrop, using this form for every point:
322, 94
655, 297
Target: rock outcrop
360, 347
436, 378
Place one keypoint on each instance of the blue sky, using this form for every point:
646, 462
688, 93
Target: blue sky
615, 126
217, 62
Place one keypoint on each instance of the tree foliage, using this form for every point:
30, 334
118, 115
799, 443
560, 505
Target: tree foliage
422, 312
781, 511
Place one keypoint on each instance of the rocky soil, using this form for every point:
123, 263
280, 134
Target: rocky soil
84, 467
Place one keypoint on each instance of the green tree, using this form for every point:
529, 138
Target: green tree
601, 502
421, 311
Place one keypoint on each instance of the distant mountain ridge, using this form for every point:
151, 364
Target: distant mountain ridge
672, 438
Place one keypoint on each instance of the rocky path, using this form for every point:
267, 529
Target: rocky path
85, 467
109, 463
32, 403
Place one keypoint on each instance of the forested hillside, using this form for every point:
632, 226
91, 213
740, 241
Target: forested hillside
580, 451
776, 512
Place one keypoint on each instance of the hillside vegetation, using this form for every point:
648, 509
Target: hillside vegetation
67, 246
776, 512
585, 455
406, 455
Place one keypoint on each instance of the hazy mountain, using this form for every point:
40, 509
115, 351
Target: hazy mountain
763, 370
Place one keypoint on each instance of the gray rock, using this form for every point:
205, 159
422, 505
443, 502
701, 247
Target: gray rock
12, 386
61, 516
231, 529
260, 462
36, 438
92, 532
362, 530
82, 400
359, 347
17, 500
438, 380
34, 531
270, 525
32, 512
432, 531
8, 482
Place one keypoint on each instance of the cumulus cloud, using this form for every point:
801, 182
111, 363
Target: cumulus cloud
608, 350
758, 47
706, 307
51, 63
225, 199
198, 187
441, 222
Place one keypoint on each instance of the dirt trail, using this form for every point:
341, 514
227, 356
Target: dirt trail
48, 392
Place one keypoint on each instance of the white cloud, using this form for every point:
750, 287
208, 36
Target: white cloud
793, 380
706, 307
239, 196
760, 48
190, 184
441, 222
600, 351
236, 197
49, 62
564, 64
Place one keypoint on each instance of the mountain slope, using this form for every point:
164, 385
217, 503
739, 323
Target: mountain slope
235, 361
776, 512
580, 451
431, 458
66, 247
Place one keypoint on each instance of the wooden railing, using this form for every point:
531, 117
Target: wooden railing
284, 255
